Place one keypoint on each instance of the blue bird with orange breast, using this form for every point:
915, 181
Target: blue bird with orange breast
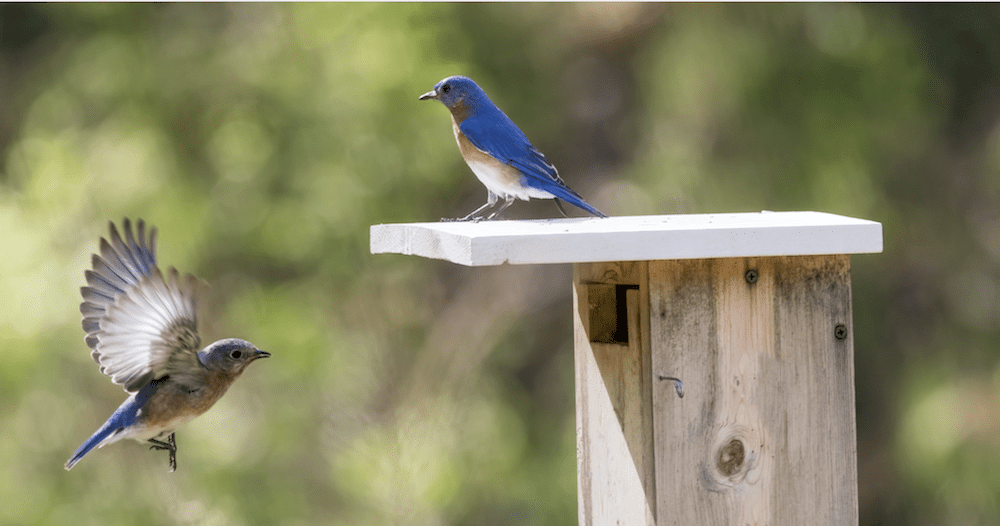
498, 152
143, 332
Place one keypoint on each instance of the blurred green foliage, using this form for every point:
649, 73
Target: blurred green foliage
264, 139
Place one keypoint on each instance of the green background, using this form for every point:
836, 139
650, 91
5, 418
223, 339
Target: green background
263, 140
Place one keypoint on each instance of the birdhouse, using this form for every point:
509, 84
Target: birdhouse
714, 357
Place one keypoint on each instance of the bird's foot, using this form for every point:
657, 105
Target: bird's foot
465, 219
170, 445
560, 207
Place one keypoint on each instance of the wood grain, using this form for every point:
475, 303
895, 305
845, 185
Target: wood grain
766, 431
613, 400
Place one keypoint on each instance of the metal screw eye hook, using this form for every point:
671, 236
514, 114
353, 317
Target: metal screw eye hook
678, 384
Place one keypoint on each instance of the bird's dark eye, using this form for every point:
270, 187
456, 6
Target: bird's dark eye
446, 88
236, 355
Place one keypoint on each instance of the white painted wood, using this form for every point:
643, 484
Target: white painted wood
631, 238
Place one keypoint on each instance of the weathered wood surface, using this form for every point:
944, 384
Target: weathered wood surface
765, 433
613, 398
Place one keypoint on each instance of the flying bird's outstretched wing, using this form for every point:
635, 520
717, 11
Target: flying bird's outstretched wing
140, 325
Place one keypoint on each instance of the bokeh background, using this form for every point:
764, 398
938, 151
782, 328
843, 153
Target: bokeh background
263, 140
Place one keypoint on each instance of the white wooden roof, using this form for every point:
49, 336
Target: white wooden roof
630, 238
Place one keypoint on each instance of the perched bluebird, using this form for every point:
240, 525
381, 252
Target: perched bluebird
143, 332
498, 152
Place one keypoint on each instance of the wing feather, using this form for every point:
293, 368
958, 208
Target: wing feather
495, 134
140, 325
502, 139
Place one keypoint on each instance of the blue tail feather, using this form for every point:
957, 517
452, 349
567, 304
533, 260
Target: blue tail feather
126, 416
571, 197
109, 428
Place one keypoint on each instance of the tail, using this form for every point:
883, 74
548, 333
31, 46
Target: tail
118, 426
540, 174
571, 197
105, 433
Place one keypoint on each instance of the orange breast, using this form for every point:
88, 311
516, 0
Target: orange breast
500, 178
172, 405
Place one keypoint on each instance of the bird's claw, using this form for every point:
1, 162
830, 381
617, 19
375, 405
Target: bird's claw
170, 445
462, 219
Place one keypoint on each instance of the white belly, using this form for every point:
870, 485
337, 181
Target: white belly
501, 179
505, 181
153, 432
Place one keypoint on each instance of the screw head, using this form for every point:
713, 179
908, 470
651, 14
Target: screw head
751, 276
840, 331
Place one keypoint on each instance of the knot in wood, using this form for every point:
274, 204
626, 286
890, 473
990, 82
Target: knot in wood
730, 458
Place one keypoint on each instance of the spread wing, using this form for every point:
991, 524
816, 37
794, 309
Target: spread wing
139, 324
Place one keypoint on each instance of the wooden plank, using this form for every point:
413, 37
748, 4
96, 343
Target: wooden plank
815, 345
613, 401
631, 238
765, 433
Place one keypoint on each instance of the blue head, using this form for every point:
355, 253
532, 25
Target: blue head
457, 92
231, 355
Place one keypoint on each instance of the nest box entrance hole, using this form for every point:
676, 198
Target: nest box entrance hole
609, 312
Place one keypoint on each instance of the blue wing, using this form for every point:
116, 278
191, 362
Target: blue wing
491, 131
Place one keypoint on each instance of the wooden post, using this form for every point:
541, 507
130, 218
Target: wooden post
751, 311
765, 432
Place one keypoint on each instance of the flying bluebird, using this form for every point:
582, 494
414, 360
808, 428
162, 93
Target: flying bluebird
143, 332
498, 152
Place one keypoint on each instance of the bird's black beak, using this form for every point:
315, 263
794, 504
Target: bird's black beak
429, 95
261, 354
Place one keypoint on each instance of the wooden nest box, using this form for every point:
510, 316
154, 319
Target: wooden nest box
752, 312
